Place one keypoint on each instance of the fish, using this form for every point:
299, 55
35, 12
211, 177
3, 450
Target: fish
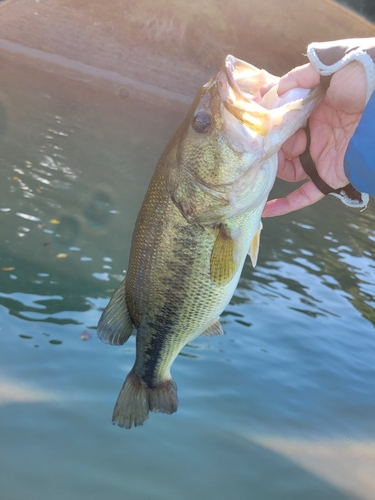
200, 218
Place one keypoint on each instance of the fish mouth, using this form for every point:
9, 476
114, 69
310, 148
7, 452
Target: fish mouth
245, 80
240, 85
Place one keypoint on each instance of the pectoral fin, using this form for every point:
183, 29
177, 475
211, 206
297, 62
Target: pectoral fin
225, 257
254, 247
214, 329
115, 325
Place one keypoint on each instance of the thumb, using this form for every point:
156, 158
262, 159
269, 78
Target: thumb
304, 76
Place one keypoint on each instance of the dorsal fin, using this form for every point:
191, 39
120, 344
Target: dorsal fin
115, 325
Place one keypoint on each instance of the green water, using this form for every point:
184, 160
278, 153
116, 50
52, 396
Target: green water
281, 407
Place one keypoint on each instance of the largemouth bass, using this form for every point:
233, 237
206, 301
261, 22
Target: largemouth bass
200, 217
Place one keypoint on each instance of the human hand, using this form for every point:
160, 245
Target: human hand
332, 124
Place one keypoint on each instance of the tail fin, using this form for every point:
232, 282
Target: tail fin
163, 397
137, 399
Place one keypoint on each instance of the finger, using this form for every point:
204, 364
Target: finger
289, 166
304, 76
263, 90
295, 145
306, 195
291, 170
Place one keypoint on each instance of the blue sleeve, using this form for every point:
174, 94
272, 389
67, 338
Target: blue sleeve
359, 161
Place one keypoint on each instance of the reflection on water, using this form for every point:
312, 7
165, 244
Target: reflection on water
290, 382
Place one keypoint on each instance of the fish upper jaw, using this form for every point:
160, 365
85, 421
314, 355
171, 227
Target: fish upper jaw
259, 116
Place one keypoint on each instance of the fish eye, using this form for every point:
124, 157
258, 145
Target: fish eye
202, 123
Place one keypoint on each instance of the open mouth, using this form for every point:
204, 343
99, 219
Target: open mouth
246, 80
240, 85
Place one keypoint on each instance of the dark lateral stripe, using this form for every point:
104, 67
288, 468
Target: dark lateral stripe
176, 287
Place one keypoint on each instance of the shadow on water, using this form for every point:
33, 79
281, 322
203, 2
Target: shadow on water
281, 406
247, 476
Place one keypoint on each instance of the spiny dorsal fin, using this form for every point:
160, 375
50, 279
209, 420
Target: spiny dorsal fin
254, 247
115, 325
214, 329
225, 257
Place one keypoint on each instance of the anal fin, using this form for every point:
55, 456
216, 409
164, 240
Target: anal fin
115, 325
214, 329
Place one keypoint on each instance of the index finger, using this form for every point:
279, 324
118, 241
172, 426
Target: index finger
304, 196
304, 76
